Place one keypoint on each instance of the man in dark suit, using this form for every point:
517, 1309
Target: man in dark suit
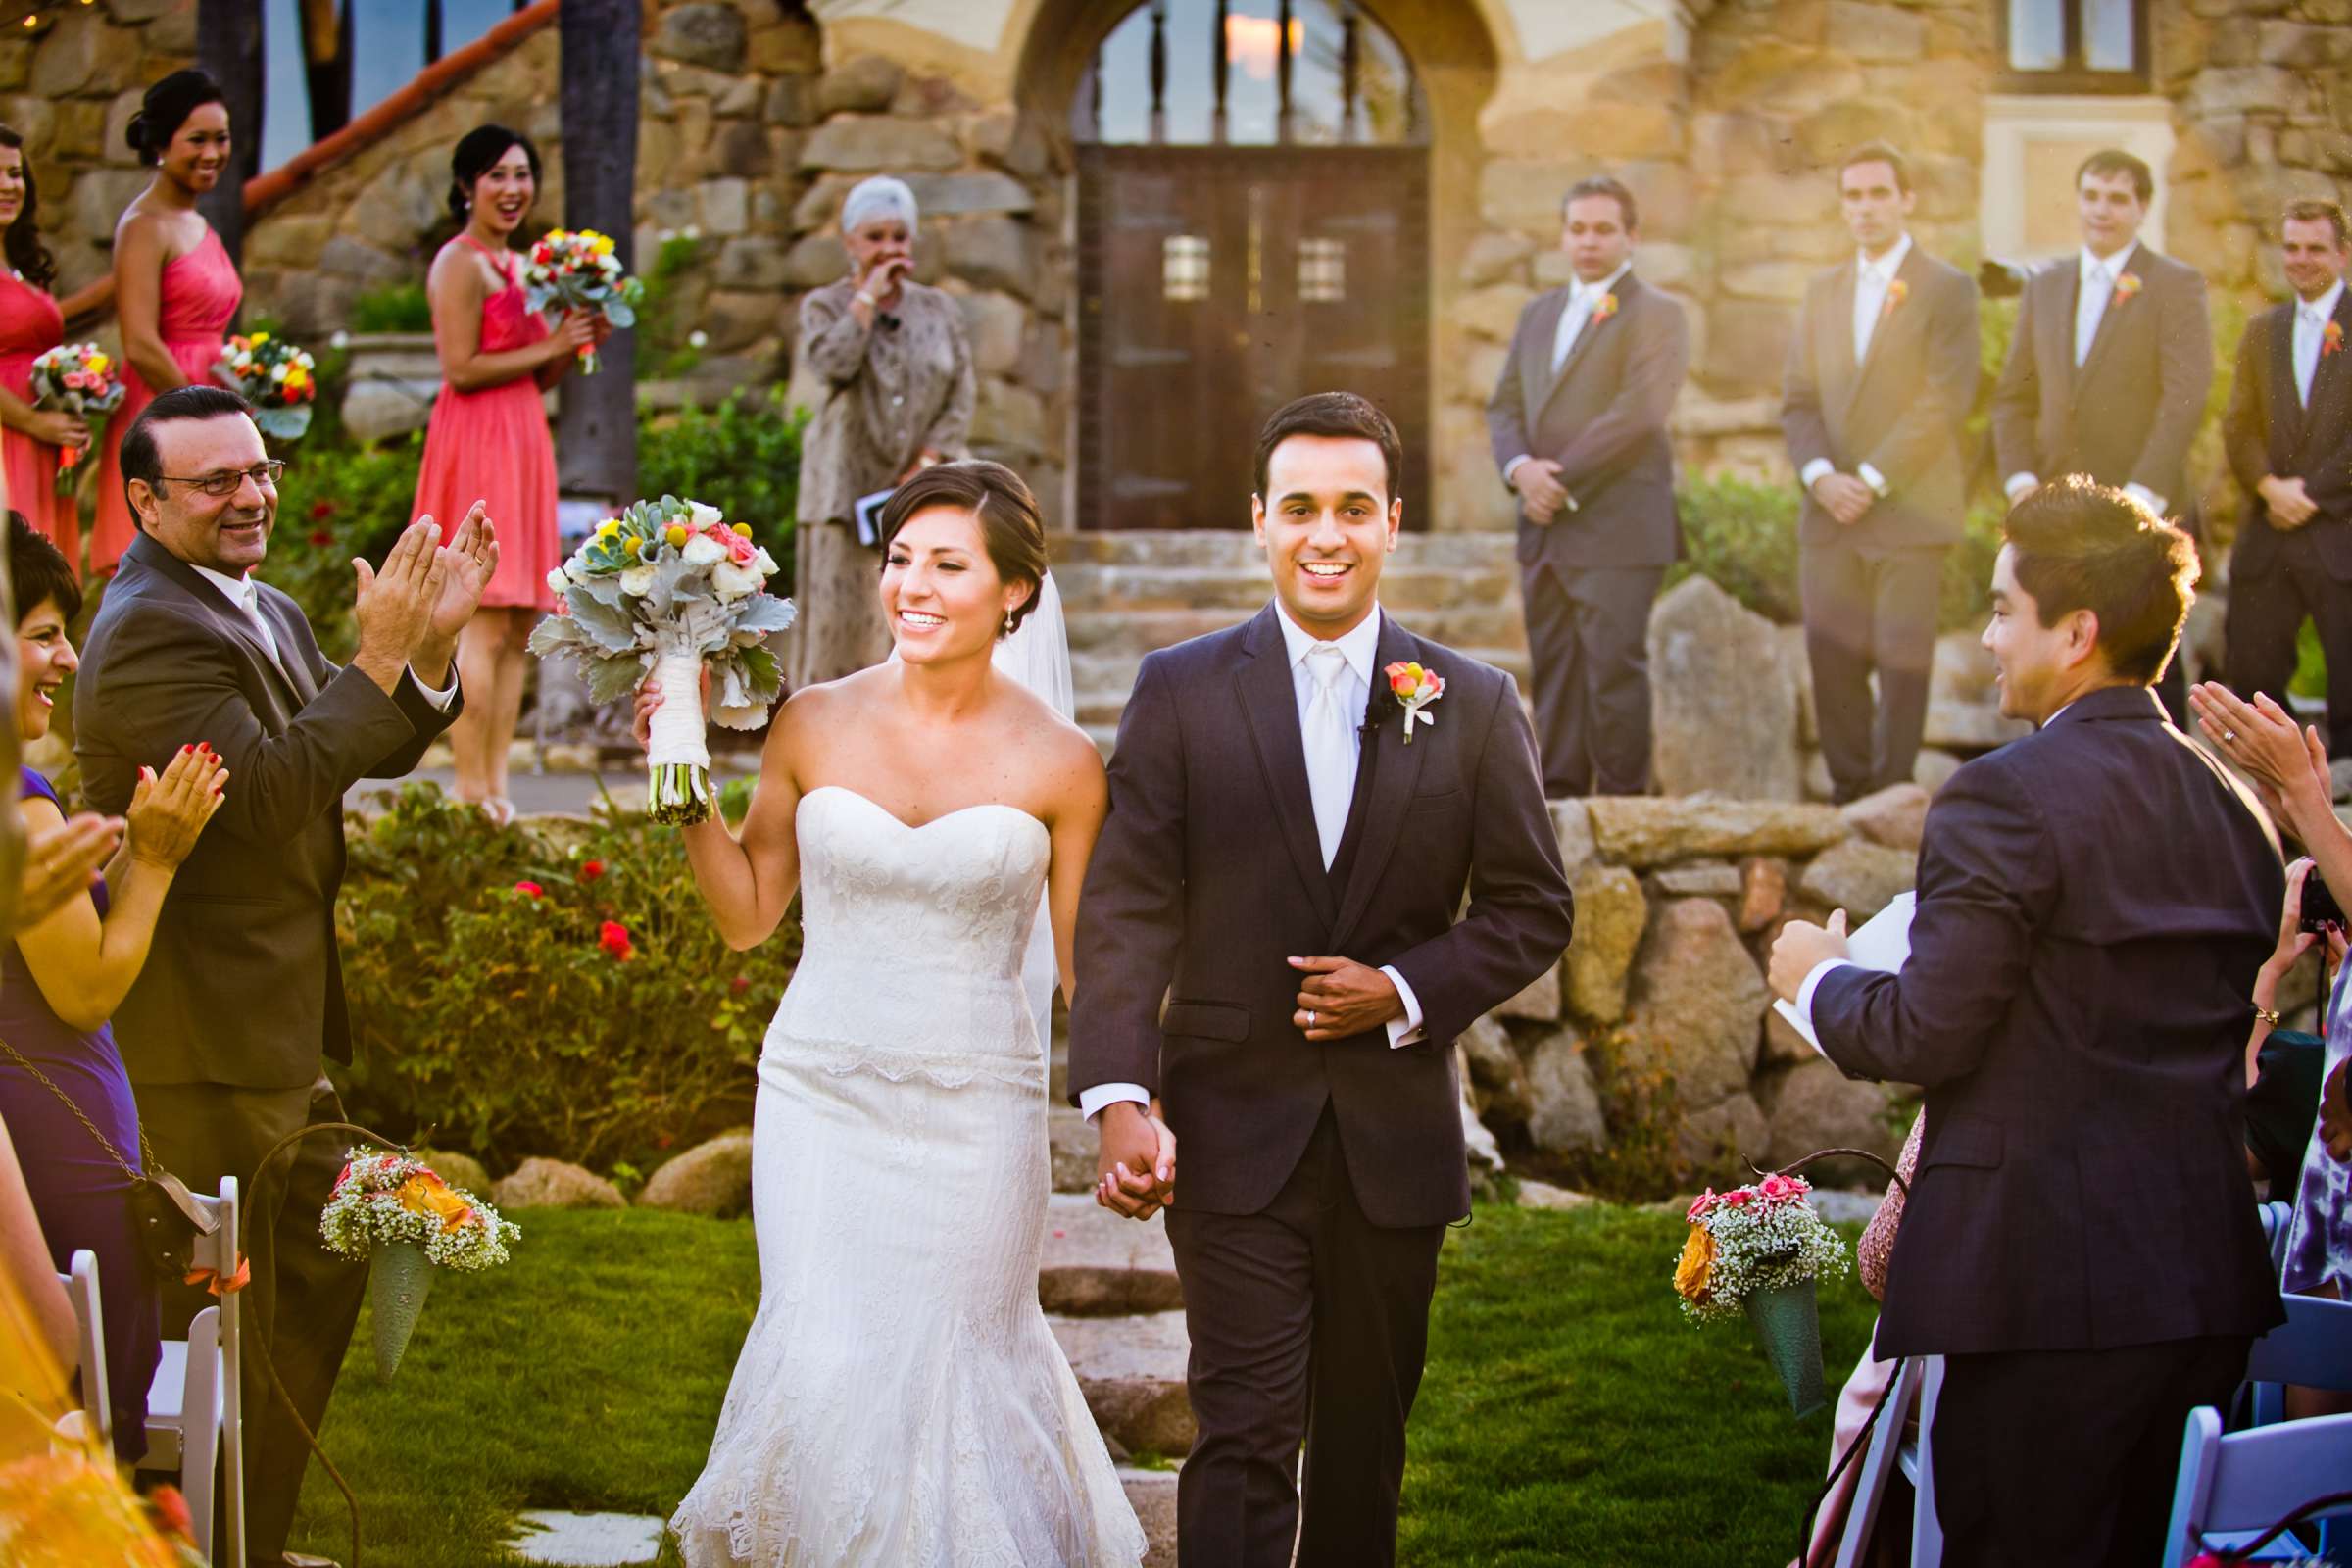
1272, 807
2288, 432
2113, 356
242, 995
2081, 1243
1578, 423
1882, 371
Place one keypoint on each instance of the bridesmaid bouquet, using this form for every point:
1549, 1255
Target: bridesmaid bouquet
75, 378
577, 270
278, 378
663, 589
397, 1211
1757, 1251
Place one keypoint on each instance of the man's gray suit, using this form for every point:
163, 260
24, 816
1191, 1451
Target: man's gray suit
242, 995
1587, 577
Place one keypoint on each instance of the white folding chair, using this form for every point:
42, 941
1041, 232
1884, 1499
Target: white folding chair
1879, 1462
2233, 1486
2275, 1221
2313, 1348
195, 1408
94, 1422
1919, 1468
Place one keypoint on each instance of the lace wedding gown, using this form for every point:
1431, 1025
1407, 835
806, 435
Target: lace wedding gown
899, 1401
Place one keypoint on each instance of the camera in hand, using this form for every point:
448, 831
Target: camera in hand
2319, 908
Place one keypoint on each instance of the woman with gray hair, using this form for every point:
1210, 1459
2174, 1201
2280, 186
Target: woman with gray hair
893, 381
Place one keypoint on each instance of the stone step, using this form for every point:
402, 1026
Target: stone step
1237, 548
1102, 1264
1131, 1370
1097, 590
1151, 1494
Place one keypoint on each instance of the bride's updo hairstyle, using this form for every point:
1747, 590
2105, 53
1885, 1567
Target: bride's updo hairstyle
1010, 529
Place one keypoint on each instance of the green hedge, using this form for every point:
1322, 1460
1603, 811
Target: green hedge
501, 1019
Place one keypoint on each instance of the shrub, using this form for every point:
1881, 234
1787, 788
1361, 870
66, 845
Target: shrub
394, 308
525, 998
742, 457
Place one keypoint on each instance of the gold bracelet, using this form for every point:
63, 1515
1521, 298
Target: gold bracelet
2268, 1015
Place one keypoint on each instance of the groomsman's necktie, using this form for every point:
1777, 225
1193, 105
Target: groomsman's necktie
2308, 327
1329, 734
1572, 324
2090, 308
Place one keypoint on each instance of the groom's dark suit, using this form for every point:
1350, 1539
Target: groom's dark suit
1314, 1180
242, 995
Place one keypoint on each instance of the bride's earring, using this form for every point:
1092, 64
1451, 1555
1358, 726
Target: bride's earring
1009, 623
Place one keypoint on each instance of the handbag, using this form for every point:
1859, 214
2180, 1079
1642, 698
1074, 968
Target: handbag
1876, 1250
165, 1215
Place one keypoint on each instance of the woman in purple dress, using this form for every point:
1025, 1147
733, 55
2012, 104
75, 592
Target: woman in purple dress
63, 976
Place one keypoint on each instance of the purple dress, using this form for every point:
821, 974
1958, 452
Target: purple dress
82, 1196
2319, 1235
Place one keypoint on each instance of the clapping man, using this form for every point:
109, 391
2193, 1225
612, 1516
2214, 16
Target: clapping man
2288, 432
1578, 424
1882, 371
226, 1030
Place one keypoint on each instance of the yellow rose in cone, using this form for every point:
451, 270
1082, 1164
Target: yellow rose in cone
1697, 1264
427, 1193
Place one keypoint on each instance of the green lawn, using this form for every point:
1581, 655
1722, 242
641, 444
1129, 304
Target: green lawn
1569, 1415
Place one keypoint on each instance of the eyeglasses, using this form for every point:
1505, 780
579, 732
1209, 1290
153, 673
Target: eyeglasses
226, 481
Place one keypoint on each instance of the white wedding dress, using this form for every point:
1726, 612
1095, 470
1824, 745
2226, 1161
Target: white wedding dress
899, 1401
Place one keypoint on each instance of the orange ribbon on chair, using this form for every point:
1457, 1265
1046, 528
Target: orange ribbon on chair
212, 1280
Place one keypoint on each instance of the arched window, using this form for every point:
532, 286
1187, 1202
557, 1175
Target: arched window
1250, 73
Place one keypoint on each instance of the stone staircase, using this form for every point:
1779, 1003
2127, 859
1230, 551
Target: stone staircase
1127, 594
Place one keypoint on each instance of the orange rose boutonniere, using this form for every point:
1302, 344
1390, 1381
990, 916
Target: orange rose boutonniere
1606, 308
2331, 338
1898, 291
2126, 287
1414, 689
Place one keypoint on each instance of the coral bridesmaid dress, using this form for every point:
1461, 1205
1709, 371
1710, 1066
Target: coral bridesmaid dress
200, 295
31, 327
492, 445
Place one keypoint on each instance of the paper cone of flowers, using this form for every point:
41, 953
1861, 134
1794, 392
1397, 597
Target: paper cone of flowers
1758, 1252
397, 1213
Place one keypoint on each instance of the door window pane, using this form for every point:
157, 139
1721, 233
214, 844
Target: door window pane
2107, 29
2037, 34
1184, 267
1322, 271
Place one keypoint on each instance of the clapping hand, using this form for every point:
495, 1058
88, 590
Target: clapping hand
1136, 1163
61, 862
2261, 739
395, 606
472, 559
168, 810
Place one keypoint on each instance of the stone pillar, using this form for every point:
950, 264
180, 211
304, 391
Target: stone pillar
596, 431
229, 44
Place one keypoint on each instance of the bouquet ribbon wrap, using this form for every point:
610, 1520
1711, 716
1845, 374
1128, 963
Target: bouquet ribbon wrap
678, 789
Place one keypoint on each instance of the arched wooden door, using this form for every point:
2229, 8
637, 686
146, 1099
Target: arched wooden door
1254, 226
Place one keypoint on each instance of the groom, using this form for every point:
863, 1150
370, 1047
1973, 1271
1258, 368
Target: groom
1284, 862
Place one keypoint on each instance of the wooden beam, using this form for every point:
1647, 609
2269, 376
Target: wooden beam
596, 431
229, 44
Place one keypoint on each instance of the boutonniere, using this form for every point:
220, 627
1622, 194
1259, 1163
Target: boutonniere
1604, 308
2331, 338
1414, 689
1898, 291
2126, 287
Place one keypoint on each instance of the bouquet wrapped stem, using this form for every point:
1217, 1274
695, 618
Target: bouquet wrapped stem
680, 788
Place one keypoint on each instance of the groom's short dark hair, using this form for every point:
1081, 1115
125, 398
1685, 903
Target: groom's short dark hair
138, 458
1341, 415
2081, 545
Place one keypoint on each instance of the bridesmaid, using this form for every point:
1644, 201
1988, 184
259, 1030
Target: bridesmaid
175, 289
31, 323
488, 440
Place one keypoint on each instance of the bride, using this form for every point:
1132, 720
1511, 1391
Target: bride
899, 1399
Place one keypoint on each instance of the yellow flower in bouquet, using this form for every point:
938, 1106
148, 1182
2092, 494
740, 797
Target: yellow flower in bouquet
426, 1194
1697, 1264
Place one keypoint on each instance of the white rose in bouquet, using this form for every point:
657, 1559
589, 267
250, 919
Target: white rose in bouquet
703, 551
730, 581
639, 581
559, 579
702, 516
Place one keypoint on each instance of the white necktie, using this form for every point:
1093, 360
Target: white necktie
1869, 298
1329, 737
1572, 324
249, 600
2088, 310
2308, 327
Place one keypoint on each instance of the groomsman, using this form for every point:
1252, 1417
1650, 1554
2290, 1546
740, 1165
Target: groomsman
2113, 356
1881, 373
2288, 432
1578, 423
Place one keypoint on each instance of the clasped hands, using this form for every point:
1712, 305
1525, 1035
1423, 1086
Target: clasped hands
411, 609
2287, 501
1844, 496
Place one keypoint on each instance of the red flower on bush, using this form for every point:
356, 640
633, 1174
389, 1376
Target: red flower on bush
530, 889
321, 538
740, 984
590, 870
320, 510
613, 938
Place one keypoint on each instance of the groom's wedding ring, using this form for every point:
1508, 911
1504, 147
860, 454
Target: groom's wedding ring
2229, 734
1311, 1017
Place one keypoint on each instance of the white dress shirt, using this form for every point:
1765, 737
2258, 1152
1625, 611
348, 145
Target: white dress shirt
1871, 280
1360, 647
1582, 300
2311, 327
246, 595
2092, 295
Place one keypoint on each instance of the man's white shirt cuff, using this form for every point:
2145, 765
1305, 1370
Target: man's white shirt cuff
1092, 1101
2146, 498
1804, 993
1873, 478
1405, 1031
1511, 467
439, 697
2017, 484
1814, 471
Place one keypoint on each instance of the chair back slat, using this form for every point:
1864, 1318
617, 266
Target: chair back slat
89, 1345
2248, 1481
2312, 1347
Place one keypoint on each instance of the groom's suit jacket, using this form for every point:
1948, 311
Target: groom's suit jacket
243, 985
1209, 876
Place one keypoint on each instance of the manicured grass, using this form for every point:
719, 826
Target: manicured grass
1569, 1415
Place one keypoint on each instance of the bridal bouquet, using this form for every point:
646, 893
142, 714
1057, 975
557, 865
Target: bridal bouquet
75, 378
577, 270
278, 378
666, 588
1757, 1251
397, 1211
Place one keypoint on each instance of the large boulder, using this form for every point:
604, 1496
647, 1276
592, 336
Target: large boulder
1859, 877
1896, 816
1729, 1136
1565, 1118
1494, 1075
540, 1183
1697, 1004
1642, 831
1723, 702
1815, 1107
1610, 915
1573, 826
1539, 1002
712, 1177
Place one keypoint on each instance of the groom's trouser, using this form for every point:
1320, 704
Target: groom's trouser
1308, 1324
304, 1300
